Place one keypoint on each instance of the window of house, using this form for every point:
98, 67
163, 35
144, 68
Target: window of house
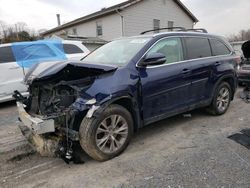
99, 31
171, 48
6, 55
156, 25
197, 47
74, 31
170, 24
218, 48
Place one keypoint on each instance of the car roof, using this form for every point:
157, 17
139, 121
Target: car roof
174, 33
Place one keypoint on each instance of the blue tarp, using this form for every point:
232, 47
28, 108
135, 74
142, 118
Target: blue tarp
30, 53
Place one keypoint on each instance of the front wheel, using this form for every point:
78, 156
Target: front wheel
221, 99
106, 136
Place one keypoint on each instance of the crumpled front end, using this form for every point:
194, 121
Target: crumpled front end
57, 103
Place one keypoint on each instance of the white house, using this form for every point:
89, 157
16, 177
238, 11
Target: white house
127, 19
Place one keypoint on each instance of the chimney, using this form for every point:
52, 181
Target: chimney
58, 19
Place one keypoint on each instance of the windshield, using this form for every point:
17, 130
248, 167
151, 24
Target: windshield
118, 52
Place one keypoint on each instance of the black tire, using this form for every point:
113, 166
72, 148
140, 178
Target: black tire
88, 132
213, 108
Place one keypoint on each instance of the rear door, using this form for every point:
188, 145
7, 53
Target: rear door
199, 57
165, 88
11, 74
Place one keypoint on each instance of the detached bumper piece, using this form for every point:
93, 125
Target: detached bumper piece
37, 125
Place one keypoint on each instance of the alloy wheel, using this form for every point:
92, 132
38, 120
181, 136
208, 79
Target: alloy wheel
111, 134
223, 99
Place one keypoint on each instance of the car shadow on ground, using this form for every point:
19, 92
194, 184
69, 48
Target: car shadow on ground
8, 104
157, 128
142, 134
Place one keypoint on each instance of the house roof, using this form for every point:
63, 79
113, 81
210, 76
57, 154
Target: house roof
111, 10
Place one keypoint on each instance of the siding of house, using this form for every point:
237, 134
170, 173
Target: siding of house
111, 27
136, 18
140, 17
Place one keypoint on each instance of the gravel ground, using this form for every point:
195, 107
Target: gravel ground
177, 152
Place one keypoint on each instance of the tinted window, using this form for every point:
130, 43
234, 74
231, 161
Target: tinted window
219, 48
71, 49
171, 48
6, 55
197, 48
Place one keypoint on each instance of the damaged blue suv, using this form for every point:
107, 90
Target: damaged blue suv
125, 85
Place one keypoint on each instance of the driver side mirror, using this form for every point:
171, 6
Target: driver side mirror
153, 59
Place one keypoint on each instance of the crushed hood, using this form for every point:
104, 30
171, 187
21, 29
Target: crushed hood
65, 70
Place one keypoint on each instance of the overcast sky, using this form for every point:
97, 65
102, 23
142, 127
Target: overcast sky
218, 16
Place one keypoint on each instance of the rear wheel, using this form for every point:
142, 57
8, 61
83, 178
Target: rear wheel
106, 136
221, 99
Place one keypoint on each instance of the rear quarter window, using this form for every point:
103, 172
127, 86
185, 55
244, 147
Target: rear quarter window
219, 48
72, 49
197, 48
6, 55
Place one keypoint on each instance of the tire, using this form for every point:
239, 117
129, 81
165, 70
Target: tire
216, 107
92, 134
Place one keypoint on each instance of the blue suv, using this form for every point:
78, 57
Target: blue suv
125, 85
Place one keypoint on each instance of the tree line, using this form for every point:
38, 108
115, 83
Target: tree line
16, 33
243, 35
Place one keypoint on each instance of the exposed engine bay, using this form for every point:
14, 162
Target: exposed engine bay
53, 99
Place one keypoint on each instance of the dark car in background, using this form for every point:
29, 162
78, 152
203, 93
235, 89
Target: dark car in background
128, 84
243, 71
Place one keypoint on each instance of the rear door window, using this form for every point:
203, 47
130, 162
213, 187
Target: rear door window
197, 48
72, 49
218, 48
6, 55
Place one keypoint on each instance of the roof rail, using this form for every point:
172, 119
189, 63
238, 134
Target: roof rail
179, 29
198, 30
165, 28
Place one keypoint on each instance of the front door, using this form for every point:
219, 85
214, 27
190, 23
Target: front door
165, 88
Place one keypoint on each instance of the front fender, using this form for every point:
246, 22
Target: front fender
96, 111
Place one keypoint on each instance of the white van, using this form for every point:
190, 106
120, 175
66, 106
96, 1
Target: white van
12, 73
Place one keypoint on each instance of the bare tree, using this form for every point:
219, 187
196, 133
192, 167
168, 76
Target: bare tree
241, 36
20, 26
17, 32
3, 27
